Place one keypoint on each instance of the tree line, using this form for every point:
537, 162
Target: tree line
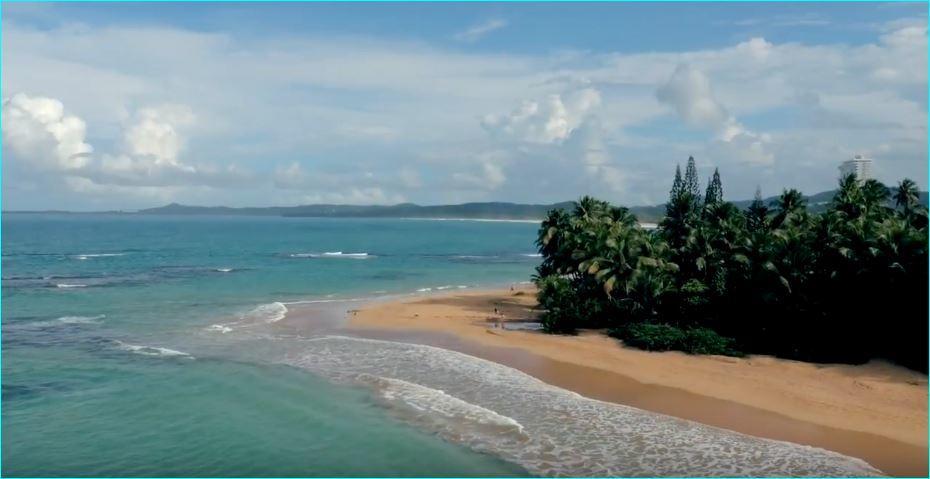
845, 285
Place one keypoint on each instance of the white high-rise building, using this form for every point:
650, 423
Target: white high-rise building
859, 166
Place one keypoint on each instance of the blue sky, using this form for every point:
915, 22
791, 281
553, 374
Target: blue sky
123, 106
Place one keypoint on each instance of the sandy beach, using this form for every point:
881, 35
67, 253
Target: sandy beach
876, 411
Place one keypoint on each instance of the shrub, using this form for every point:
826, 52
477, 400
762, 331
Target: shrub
664, 337
707, 341
563, 310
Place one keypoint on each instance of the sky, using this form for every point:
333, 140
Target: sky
127, 106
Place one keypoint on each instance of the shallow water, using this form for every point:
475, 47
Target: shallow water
119, 356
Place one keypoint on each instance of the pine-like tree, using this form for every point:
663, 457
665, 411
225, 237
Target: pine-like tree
691, 184
677, 185
757, 213
714, 193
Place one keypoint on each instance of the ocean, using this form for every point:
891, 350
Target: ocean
166, 346
112, 364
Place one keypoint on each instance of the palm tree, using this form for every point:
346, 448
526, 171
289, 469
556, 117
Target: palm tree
907, 197
790, 207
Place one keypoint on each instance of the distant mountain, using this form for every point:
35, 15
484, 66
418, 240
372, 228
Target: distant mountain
490, 210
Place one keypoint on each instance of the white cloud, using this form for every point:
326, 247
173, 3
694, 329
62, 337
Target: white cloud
37, 130
46, 140
549, 121
362, 112
757, 48
479, 31
154, 133
689, 92
490, 175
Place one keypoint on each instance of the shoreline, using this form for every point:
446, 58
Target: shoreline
876, 411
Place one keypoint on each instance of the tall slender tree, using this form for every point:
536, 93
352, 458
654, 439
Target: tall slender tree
714, 193
691, 184
757, 213
677, 185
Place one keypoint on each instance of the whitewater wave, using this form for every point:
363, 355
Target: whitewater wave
532, 255
224, 270
152, 350
81, 319
333, 254
222, 328
484, 220
548, 430
268, 313
59, 322
70, 285
438, 411
441, 288
329, 300
97, 255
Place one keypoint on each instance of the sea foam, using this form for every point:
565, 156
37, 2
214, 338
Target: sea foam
152, 350
332, 254
548, 430
268, 313
97, 255
82, 319
450, 416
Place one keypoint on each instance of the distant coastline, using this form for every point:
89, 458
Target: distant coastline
485, 211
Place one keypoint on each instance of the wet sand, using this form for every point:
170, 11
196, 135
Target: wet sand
877, 411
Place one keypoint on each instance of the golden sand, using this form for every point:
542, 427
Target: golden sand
876, 411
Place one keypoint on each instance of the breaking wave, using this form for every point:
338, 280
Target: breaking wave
82, 319
548, 430
152, 350
96, 255
222, 328
451, 417
332, 254
268, 313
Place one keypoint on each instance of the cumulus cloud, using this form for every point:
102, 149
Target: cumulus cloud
757, 48
42, 137
688, 91
312, 97
37, 130
154, 134
477, 32
549, 121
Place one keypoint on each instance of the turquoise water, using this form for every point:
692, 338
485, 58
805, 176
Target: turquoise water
110, 365
211, 346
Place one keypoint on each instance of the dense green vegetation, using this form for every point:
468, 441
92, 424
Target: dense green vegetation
846, 284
